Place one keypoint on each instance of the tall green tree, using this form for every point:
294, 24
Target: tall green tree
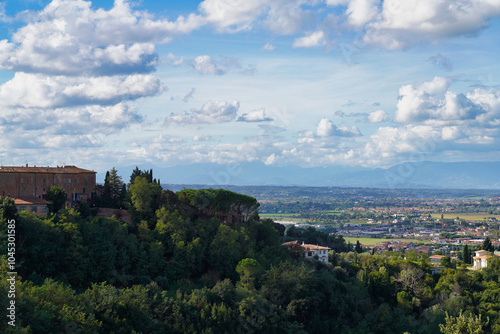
466, 254
113, 189
487, 245
248, 269
8, 209
148, 174
57, 197
144, 195
358, 248
135, 173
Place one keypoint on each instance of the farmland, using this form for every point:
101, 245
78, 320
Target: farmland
374, 241
466, 216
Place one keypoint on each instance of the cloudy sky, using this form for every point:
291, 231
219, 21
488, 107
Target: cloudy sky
369, 83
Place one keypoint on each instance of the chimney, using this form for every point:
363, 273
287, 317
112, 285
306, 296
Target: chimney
26, 165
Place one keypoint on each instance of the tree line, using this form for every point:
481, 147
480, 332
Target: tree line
182, 267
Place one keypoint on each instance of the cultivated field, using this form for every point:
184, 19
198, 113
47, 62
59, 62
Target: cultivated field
374, 241
466, 216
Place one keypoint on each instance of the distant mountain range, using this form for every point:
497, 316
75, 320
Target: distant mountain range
440, 175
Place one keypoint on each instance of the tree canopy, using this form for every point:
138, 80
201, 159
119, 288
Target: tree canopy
182, 266
57, 198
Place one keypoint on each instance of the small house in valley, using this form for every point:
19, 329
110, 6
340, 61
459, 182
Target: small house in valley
436, 259
480, 261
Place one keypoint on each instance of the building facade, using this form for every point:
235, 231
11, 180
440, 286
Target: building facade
480, 261
308, 251
436, 259
34, 182
37, 206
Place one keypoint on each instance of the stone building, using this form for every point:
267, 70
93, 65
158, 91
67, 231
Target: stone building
34, 182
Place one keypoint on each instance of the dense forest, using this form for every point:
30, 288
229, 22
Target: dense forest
202, 261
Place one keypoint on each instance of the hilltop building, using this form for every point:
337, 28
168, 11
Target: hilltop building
309, 251
29, 185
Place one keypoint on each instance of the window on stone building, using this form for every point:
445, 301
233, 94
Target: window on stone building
33, 208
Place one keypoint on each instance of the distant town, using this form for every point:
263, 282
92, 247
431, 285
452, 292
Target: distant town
425, 220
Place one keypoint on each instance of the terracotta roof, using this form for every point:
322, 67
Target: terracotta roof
481, 252
305, 247
436, 256
290, 243
30, 201
50, 170
314, 247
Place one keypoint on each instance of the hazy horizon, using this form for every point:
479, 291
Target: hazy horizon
333, 83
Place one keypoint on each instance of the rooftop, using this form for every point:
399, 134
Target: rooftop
41, 169
305, 247
30, 201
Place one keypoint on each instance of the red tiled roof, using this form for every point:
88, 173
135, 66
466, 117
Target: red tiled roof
305, 247
30, 201
50, 170
314, 247
290, 243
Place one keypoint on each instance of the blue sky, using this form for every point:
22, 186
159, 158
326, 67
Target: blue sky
369, 83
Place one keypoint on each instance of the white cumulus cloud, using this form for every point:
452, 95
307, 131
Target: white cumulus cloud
378, 116
404, 23
37, 90
69, 37
314, 39
258, 115
232, 15
432, 102
210, 112
326, 128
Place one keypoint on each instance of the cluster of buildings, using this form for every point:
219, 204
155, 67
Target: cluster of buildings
29, 185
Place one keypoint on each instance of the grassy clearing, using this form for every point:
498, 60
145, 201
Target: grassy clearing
476, 198
466, 216
374, 241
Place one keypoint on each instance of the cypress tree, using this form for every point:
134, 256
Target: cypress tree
487, 245
466, 254
358, 247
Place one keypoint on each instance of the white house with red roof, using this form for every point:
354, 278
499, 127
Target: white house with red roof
310, 251
481, 260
